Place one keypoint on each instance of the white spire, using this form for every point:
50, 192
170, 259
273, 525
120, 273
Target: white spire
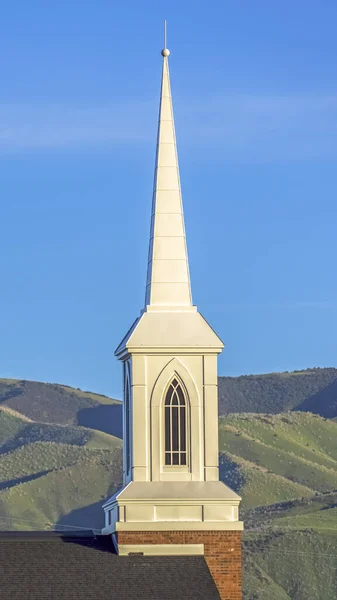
168, 281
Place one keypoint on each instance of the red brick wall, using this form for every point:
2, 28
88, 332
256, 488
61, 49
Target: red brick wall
222, 553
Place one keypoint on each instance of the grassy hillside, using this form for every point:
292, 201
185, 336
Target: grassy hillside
313, 390
285, 467
54, 474
69, 495
61, 456
290, 550
17, 431
266, 458
292, 565
272, 458
49, 402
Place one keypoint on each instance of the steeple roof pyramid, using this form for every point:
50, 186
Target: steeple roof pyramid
168, 319
168, 280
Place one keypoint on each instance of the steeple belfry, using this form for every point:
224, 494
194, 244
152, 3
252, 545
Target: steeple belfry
168, 280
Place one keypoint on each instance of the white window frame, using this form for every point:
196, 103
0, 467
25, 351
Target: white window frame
179, 468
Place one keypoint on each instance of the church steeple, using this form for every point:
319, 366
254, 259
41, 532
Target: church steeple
172, 501
168, 280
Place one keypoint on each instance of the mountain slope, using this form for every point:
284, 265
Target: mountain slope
272, 458
16, 430
284, 465
300, 563
290, 547
53, 474
265, 458
49, 402
313, 390
296, 544
44, 501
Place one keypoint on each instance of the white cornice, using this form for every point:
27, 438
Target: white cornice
181, 526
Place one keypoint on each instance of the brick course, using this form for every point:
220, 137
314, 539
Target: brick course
222, 553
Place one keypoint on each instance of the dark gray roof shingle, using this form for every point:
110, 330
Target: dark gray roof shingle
49, 566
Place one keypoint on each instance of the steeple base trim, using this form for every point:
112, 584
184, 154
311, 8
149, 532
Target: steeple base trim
160, 549
170, 506
222, 552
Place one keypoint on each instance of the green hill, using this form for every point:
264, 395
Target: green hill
17, 431
61, 404
55, 474
290, 550
71, 494
313, 390
290, 565
285, 467
61, 456
271, 458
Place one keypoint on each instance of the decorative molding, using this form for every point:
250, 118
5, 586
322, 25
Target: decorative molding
161, 549
180, 526
169, 350
172, 368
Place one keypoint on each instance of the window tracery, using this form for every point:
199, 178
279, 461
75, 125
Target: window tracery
175, 425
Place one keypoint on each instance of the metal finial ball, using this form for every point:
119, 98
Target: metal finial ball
165, 52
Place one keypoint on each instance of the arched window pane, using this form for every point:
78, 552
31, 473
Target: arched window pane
167, 428
183, 429
175, 458
168, 398
181, 396
175, 425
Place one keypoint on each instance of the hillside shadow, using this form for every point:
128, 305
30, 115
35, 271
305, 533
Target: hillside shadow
230, 474
323, 403
329, 506
5, 485
13, 392
105, 417
88, 517
13, 444
101, 543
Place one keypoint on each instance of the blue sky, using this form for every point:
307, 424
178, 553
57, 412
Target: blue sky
255, 97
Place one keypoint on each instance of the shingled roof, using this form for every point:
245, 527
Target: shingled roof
55, 566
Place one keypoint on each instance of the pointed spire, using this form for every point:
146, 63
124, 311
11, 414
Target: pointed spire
168, 280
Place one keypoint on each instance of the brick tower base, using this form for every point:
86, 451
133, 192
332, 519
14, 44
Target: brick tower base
222, 551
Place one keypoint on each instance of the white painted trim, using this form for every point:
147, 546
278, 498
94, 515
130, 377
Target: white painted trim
180, 526
162, 549
169, 471
158, 308
169, 350
174, 368
173, 502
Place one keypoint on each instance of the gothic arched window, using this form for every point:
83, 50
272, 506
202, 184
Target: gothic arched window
175, 425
